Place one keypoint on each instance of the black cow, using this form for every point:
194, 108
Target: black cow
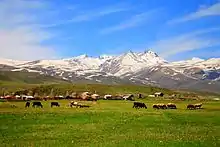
55, 104
27, 104
38, 104
81, 106
139, 96
138, 105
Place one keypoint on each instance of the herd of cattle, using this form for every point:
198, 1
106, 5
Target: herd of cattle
138, 105
39, 104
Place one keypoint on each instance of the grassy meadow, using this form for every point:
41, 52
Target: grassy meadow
110, 124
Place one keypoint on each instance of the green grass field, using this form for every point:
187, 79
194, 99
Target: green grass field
109, 123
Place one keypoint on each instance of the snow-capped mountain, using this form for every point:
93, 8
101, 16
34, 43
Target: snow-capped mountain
131, 67
131, 62
198, 68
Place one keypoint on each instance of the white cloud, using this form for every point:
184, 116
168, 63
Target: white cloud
204, 11
136, 20
89, 15
186, 42
18, 38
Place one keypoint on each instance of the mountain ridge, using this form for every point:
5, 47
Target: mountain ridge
143, 68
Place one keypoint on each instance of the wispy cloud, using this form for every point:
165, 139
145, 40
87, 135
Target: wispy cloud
212, 10
19, 39
89, 15
136, 20
186, 42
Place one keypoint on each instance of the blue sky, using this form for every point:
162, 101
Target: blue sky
48, 29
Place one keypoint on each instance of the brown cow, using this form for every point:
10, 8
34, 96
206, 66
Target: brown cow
159, 106
198, 105
171, 106
191, 106
162, 106
155, 106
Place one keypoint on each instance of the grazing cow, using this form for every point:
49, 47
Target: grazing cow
72, 103
38, 104
81, 106
198, 105
138, 105
162, 106
27, 104
155, 106
55, 104
171, 106
159, 106
191, 106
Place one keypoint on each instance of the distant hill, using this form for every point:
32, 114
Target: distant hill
28, 78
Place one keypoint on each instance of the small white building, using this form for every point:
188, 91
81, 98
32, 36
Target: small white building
17, 96
27, 97
108, 96
216, 99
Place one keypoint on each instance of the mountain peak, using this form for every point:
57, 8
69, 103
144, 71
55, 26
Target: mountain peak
82, 56
150, 52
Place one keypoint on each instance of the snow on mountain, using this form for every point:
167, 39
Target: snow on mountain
198, 68
197, 62
85, 62
127, 64
213, 63
106, 57
79, 65
131, 62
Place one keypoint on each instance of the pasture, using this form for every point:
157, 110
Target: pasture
109, 124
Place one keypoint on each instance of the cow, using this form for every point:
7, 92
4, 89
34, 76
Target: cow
171, 106
162, 106
38, 104
191, 106
27, 104
155, 106
198, 105
159, 106
138, 105
55, 104
81, 106
72, 103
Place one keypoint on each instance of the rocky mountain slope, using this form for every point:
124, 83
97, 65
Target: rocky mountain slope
145, 68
